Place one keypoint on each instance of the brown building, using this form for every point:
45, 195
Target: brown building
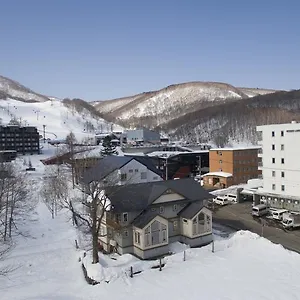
231, 166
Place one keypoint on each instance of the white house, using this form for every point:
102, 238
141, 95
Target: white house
119, 170
280, 164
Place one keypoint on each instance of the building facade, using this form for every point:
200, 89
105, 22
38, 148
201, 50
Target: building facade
280, 166
121, 170
146, 218
20, 139
231, 166
141, 136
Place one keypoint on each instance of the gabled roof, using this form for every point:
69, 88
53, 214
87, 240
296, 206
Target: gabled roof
108, 164
137, 197
191, 210
143, 219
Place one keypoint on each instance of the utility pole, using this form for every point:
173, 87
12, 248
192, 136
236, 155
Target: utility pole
44, 132
167, 168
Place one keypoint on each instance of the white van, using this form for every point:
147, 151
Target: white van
278, 214
259, 210
221, 200
232, 197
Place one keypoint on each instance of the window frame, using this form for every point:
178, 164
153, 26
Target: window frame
123, 217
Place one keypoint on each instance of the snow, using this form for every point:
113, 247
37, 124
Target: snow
236, 148
47, 267
90, 152
16, 90
220, 174
169, 103
59, 119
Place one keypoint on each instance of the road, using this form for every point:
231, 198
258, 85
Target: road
238, 217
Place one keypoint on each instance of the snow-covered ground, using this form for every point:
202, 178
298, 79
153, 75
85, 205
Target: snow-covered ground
59, 119
46, 262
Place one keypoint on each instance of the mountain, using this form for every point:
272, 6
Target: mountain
157, 108
14, 90
235, 121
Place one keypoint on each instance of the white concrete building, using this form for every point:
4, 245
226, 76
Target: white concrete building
280, 164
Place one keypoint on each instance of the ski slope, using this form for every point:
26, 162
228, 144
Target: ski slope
59, 119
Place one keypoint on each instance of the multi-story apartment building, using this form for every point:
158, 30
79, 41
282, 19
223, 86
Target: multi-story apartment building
20, 139
141, 136
280, 166
231, 166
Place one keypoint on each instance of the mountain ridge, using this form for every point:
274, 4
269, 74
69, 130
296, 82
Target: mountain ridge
156, 108
14, 90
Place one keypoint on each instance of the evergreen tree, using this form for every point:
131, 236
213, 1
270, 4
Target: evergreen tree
108, 147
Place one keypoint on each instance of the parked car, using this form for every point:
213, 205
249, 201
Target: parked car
221, 200
278, 214
232, 197
259, 210
291, 220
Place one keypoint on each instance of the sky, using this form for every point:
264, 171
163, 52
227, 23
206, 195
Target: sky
104, 49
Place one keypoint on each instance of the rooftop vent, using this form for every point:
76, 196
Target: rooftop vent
294, 122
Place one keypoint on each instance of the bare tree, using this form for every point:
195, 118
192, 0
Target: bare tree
54, 190
13, 205
71, 141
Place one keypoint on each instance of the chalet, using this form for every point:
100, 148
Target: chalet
145, 218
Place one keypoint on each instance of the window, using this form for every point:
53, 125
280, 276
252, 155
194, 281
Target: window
273, 147
147, 236
198, 224
184, 220
282, 188
273, 173
219, 152
136, 170
143, 175
220, 161
155, 177
282, 147
161, 210
175, 225
273, 133
273, 160
125, 217
282, 160
137, 237
282, 133
130, 170
282, 174
118, 217
175, 207
123, 177
125, 233
273, 187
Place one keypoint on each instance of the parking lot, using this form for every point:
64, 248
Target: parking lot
238, 216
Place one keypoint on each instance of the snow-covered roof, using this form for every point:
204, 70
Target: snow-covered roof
167, 154
236, 148
220, 174
93, 152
